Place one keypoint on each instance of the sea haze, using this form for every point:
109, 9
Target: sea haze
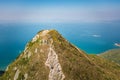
92, 38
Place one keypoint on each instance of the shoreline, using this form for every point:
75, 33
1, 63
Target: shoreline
117, 44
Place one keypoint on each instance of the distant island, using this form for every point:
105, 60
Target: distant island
117, 44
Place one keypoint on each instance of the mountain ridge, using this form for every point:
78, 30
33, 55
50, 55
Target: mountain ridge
48, 56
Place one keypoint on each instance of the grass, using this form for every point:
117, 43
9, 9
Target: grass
75, 65
112, 55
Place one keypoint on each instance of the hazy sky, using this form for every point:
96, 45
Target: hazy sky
60, 11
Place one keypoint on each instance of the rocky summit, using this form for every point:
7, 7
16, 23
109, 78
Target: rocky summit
48, 56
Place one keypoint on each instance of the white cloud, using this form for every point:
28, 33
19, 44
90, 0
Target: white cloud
60, 14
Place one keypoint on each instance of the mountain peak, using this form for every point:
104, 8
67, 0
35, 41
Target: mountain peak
42, 34
49, 56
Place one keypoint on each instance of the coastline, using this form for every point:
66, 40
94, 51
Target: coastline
117, 44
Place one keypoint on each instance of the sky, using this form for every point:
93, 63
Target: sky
59, 11
62, 11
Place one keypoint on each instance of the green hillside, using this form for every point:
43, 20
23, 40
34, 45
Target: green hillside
113, 55
48, 56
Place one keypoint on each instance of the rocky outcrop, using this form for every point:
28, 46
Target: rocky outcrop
54, 66
25, 76
17, 74
35, 38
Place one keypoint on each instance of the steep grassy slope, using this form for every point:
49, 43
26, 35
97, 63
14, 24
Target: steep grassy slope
51, 57
113, 55
107, 65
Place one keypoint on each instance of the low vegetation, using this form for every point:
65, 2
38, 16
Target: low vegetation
112, 55
75, 63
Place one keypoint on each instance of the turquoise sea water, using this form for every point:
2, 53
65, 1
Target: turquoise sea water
92, 38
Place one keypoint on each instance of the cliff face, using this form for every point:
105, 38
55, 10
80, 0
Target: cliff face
48, 56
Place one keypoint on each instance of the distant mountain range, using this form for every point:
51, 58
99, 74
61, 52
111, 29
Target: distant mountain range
48, 56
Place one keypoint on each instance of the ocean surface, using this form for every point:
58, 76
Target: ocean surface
93, 38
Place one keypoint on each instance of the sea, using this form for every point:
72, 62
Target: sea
93, 38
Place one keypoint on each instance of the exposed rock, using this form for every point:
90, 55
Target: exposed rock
36, 50
26, 48
25, 75
15, 68
44, 32
35, 38
16, 74
54, 66
27, 54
